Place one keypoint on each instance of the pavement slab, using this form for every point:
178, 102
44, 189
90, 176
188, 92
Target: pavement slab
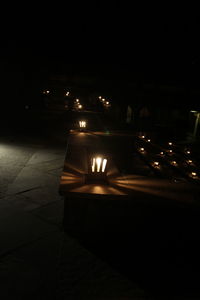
84, 276
19, 228
29, 179
19, 202
53, 212
44, 156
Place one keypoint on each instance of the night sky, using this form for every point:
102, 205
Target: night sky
114, 42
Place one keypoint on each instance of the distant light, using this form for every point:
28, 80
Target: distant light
174, 163
142, 149
189, 161
77, 100
170, 143
67, 94
188, 152
80, 106
193, 111
103, 99
143, 136
156, 163
98, 164
47, 92
170, 151
161, 153
149, 140
107, 102
100, 97
194, 174
82, 124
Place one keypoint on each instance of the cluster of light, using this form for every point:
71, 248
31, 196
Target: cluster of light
46, 92
98, 164
82, 124
67, 94
105, 102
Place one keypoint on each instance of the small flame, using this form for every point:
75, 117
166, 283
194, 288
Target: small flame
99, 164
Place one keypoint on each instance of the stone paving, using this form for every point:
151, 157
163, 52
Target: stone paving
37, 259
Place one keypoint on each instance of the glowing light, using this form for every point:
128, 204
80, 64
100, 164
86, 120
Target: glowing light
82, 124
99, 164
170, 143
189, 161
77, 100
80, 106
161, 153
143, 136
174, 163
170, 151
156, 163
104, 165
149, 140
194, 174
100, 97
188, 152
67, 94
142, 149
107, 102
103, 100
47, 92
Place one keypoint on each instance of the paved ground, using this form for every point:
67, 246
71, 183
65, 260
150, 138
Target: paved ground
38, 260
157, 258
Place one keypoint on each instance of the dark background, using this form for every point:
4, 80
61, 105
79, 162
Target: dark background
118, 43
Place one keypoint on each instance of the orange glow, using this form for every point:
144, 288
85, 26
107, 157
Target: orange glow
157, 187
98, 189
